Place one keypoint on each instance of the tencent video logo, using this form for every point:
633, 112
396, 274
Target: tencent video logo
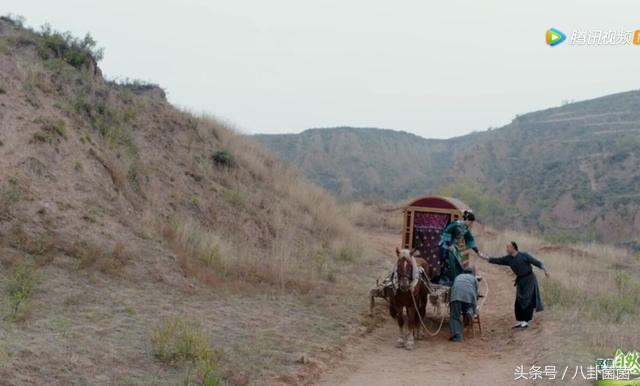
555, 37
601, 37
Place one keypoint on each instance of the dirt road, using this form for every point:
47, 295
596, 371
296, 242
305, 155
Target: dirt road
489, 359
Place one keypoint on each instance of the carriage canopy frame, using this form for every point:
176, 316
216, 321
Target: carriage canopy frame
424, 219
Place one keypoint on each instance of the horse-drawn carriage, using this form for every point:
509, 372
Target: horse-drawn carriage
424, 220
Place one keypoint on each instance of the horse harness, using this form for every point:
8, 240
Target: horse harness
422, 277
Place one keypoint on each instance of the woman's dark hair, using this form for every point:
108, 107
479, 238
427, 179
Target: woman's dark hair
467, 215
515, 246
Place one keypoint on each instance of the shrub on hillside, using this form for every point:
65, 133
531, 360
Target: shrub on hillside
114, 120
75, 51
52, 44
133, 84
15, 20
180, 342
585, 198
224, 158
20, 285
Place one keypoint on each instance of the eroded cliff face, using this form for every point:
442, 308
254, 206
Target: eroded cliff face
571, 170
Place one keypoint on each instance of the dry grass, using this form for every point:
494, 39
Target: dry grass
52, 130
102, 330
384, 216
10, 195
211, 258
38, 245
261, 166
42, 247
264, 224
102, 257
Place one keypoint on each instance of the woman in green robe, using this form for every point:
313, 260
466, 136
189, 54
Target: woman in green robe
449, 244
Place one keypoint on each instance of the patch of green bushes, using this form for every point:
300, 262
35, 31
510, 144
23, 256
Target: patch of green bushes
487, 207
224, 158
77, 52
133, 84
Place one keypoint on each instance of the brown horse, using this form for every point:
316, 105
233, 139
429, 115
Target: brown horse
408, 293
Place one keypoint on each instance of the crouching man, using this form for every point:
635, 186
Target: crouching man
463, 300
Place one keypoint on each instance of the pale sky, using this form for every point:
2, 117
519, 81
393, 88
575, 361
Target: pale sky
437, 69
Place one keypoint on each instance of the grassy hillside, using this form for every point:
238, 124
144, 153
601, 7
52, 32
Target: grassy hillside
567, 172
143, 245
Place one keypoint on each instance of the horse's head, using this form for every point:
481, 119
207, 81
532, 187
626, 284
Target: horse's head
404, 268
